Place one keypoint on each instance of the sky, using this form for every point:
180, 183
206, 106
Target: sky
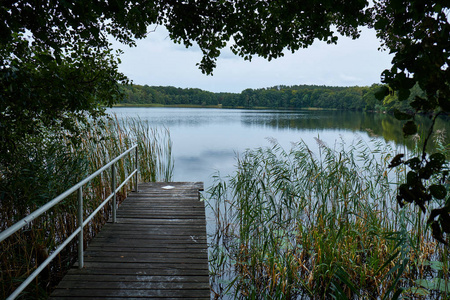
157, 61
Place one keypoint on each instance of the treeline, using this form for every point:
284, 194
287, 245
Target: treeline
299, 96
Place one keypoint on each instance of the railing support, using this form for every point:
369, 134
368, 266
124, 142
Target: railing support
80, 224
137, 170
80, 216
113, 188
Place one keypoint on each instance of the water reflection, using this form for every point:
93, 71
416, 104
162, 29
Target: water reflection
207, 140
382, 125
205, 162
180, 117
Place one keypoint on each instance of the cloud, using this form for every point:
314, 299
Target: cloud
157, 60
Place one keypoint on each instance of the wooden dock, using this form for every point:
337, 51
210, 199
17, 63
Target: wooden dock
156, 250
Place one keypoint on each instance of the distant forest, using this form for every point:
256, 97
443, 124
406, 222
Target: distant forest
289, 97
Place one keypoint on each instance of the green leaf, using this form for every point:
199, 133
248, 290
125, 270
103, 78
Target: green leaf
414, 163
438, 191
437, 232
345, 278
412, 178
437, 159
426, 172
409, 128
444, 220
436, 265
402, 116
444, 104
417, 291
428, 284
442, 285
403, 94
381, 92
397, 160
419, 103
435, 284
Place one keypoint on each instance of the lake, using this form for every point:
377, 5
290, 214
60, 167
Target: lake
206, 140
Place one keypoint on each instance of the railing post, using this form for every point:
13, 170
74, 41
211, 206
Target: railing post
79, 232
80, 224
137, 170
113, 185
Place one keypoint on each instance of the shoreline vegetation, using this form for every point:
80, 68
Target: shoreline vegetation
36, 177
60, 68
288, 224
309, 97
215, 106
291, 224
385, 124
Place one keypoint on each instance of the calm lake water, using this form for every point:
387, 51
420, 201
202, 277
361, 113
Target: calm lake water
206, 141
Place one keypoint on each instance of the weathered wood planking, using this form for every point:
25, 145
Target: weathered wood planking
157, 249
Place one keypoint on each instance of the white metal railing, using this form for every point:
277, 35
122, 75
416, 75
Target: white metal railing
81, 223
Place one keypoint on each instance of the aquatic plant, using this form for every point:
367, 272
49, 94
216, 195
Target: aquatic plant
47, 168
298, 225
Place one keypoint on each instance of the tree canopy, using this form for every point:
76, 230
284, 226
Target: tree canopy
57, 66
284, 97
418, 34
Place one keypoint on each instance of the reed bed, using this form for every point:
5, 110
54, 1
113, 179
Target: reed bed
297, 225
49, 167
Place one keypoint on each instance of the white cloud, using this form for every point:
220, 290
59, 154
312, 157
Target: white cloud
158, 61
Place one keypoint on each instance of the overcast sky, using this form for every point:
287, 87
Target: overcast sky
158, 61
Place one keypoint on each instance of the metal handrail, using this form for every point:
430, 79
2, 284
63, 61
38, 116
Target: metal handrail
81, 223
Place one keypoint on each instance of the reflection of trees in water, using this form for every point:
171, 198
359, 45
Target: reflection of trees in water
382, 125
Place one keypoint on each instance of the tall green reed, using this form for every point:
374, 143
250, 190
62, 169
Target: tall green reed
294, 224
48, 167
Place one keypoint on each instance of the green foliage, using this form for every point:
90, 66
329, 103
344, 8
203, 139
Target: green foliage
435, 284
417, 33
263, 28
57, 68
285, 97
46, 168
55, 31
291, 97
41, 94
56, 62
292, 224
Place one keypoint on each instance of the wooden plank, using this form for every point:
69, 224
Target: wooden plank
147, 246
119, 272
100, 293
152, 248
157, 249
139, 278
133, 285
164, 230
152, 234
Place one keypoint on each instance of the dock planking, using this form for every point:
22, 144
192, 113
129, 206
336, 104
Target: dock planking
157, 249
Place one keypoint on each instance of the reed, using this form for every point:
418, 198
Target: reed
297, 225
50, 166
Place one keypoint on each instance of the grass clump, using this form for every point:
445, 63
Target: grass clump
45, 168
295, 225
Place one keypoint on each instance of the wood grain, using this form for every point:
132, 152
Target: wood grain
156, 250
